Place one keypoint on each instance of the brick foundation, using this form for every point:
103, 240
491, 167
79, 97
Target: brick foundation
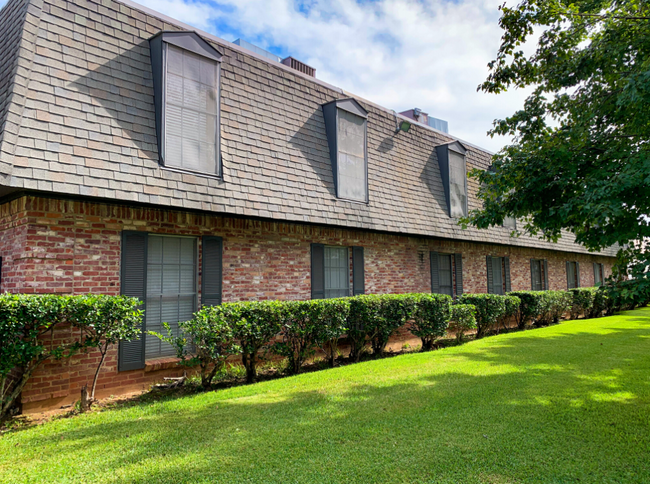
65, 246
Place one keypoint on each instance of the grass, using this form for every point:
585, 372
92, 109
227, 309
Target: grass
564, 404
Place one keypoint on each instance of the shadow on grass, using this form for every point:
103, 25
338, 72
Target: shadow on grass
534, 407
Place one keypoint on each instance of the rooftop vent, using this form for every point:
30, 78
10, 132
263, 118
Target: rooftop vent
299, 66
424, 118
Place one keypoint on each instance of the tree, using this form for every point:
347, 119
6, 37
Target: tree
104, 322
579, 159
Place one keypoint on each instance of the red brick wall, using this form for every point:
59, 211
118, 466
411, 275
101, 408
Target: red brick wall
62, 246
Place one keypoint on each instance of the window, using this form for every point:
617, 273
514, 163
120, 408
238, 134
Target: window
186, 93
330, 271
446, 280
573, 274
539, 274
346, 126
161, 271
453, 170
337, 272
171, 289
599, 274
191, 99
498, 275
447, 274
457, 185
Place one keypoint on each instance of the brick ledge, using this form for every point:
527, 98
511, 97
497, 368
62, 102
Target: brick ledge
161, 364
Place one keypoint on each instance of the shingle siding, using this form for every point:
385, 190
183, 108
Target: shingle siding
12, 22
87, 128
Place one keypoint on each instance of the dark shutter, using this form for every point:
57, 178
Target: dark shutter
435, 275
545, 275
133, 284
506, 270
577, 274
317, 271
358, 276
490, 278
595, 274
458, 259
532, 274
569, 277
211, 271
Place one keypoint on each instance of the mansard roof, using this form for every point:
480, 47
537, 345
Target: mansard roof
77, 119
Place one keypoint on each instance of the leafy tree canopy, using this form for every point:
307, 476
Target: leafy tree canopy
580, 158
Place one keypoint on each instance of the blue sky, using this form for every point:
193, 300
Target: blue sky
400, 54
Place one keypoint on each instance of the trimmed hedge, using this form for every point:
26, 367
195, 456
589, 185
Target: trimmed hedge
554, 305
463, 318
246, 328
489, 309
531, 307
431, 315
582, 301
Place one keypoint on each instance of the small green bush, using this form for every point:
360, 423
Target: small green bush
363, 311
254, 324
431, 315
26, 319
104, 321
554, 305
512, 304
489, 308
601, 303
530, 307
582, 301
206, 340
394, 311
463, 319
298, 333
332, 324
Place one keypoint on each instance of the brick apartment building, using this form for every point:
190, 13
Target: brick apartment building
139, 156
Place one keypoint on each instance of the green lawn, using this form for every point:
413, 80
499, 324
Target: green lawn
568, 403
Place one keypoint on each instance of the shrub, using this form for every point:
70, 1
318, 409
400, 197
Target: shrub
332, 323
601, 303
298, 330
104, 321
254, 324
512, 304
26, 319
394, 311
206, 340
463, 318
554, 305
431, 314
489, 308
363, 311
530, 307
582, 301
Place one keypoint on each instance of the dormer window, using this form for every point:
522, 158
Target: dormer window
453, 169
186, 91
346, 123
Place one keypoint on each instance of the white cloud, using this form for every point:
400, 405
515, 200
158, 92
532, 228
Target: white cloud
398, 53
